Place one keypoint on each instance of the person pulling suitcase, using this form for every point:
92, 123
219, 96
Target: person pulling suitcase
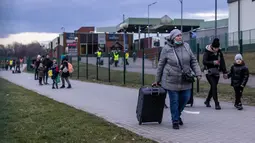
174, 72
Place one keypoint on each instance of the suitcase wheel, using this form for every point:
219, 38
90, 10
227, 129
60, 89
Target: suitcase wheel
191, 104
140, 120
159, 122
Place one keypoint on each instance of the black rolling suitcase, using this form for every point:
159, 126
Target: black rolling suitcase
150, 105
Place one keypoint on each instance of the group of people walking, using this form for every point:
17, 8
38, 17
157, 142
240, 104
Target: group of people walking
13, 64
115, 54
115, 57
45, 67
178, 67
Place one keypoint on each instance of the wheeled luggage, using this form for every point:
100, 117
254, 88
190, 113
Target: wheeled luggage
150, 105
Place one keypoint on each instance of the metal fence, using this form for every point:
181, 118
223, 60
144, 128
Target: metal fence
229, 41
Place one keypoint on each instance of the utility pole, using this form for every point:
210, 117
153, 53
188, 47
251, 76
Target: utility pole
181, 1
240, 40
215, 28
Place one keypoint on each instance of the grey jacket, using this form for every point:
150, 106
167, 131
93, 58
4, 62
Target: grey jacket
169, 72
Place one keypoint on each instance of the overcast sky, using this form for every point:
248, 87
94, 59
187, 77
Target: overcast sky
48, 16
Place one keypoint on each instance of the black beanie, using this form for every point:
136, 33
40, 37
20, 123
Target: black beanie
216, 43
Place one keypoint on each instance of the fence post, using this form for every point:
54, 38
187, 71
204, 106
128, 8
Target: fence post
97, 62
241, 42
250, 36
109, 67
124, 68
198, 56
78, 67
87, 66
28, 63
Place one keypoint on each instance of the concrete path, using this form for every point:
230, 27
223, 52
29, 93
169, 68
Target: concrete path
118, 105
137, 67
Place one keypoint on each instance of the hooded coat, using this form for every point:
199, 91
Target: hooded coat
210, 56
169, 72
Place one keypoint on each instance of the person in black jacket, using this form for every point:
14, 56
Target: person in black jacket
65, 73
47, 63
239, 75
214, 63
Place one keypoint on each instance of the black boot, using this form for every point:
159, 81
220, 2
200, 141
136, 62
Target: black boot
176, 126
207, 103
240, 106
62, 86
69, 86
180, 121
217, 106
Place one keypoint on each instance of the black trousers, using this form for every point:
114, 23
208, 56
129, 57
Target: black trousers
46, 76
213, 93
238, 94
127, 63
116, 63
36, 74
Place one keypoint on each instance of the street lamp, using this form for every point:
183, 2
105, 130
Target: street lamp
215, 25
181, 1
63, 28
124, 27
240, 37
149, 21
148, 40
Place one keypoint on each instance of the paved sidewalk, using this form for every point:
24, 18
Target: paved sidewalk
137, 67
117, 105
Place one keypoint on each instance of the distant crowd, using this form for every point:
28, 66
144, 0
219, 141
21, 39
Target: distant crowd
12, 64
45, 68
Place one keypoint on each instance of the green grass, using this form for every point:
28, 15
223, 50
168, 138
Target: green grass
226, 93
26, 116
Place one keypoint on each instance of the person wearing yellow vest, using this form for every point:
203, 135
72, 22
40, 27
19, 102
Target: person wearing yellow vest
116, 58
126, 57
99, 54
11, 64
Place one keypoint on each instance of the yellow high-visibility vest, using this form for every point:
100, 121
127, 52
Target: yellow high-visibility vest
99, 54
116, 57
127, 55
11, 62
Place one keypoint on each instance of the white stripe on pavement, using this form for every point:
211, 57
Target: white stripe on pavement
192, 112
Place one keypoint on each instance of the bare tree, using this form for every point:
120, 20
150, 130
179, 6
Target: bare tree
21, 50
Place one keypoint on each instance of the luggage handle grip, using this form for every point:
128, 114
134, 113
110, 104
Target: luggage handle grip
153, 85
156, 89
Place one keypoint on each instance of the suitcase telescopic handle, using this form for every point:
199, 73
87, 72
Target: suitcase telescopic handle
155, 90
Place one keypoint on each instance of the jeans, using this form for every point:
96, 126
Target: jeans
178, 101
54, 83
213, 81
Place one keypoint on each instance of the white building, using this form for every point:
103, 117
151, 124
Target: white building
247, 21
